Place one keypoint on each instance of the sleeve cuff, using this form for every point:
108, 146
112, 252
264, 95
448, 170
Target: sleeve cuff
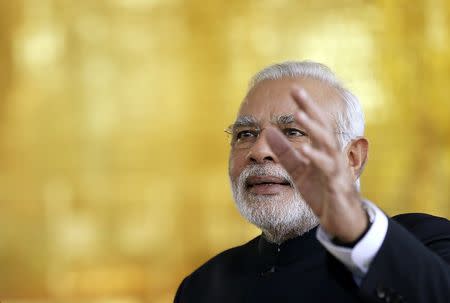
359, 258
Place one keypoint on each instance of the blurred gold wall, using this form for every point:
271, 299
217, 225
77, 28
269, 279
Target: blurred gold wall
113, 160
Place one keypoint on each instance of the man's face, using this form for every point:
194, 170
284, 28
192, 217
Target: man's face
264, 192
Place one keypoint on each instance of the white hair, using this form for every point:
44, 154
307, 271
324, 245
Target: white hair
349, 122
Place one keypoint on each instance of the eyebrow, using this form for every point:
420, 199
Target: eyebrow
284, 119
243, 121
251, 121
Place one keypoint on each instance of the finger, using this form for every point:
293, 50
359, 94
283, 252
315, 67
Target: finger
307, 104
320, 159
288, 157
320, 136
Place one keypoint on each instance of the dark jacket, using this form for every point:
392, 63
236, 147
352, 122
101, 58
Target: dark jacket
412, 265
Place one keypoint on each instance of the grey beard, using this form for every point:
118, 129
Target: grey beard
280, 218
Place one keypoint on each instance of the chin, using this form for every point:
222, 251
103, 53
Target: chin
280, 216
265, 196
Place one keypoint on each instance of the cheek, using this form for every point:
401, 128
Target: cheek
236, 164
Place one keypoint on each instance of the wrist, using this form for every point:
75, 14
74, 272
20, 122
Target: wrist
360, 231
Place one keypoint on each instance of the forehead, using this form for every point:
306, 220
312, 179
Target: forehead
272, 98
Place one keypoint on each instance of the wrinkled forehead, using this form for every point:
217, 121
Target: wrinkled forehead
272, 98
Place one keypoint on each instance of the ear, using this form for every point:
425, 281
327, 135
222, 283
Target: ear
357, 152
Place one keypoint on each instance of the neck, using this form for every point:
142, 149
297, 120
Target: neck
280, 236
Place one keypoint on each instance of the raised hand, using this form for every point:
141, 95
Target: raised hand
321, 171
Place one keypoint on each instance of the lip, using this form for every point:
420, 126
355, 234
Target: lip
266, 185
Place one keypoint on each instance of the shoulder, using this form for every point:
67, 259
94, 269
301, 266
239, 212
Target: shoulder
432, 231
228, 260
212, 277
424, 226
413, 219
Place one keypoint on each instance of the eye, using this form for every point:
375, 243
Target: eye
246, 134
293, 133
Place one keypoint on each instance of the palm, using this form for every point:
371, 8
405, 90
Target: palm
320, 172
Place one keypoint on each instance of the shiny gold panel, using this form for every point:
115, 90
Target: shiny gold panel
113, 160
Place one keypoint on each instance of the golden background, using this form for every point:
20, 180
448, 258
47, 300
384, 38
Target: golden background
113, 160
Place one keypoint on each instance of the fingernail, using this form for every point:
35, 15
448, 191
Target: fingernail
306, 148
302, 116
302, 92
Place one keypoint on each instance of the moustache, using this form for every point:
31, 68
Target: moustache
265, 173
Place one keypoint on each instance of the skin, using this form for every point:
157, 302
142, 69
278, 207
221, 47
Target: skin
324, 174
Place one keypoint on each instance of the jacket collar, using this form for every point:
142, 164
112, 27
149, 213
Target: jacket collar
292, 250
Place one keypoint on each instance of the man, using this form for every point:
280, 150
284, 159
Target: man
297, 153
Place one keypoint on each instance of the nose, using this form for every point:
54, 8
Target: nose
260, 151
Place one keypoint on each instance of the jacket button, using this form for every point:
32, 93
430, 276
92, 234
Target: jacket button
268, 272
381, 292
